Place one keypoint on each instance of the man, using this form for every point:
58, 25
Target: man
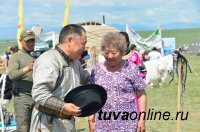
20, 68
55, 73
9, 84
154, 54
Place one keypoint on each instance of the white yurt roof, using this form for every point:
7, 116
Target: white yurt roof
95, 32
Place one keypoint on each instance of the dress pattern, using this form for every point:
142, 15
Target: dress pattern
121, 87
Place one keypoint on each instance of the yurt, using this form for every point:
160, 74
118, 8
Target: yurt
95, 32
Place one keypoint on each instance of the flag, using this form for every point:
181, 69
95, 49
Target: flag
66, 16
21, 22
144, 46
133, 36
155, 39
136, 39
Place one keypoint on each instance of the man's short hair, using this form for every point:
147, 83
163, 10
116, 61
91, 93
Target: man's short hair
154, 48
71, 29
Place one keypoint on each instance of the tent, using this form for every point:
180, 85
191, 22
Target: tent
95, 32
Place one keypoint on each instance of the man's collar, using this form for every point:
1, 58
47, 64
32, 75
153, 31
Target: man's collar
66, 57
25, 51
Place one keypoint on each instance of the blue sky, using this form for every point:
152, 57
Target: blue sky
141, 15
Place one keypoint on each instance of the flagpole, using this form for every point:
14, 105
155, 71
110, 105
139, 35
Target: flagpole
179, 95
160, 30
66, 14
162, 42
21, 22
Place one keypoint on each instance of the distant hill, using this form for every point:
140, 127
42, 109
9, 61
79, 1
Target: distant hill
4, 45
183, 36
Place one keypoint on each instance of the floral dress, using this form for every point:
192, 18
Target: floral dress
121, 87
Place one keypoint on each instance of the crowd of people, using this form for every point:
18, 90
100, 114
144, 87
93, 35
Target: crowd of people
39, 86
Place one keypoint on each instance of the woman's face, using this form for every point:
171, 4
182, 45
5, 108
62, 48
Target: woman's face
112, 55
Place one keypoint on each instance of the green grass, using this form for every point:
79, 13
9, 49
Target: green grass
4, 45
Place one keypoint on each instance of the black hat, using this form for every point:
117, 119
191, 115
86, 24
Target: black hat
90, 98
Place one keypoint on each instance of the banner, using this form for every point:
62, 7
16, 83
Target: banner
169, 45
45, 42
155, 39
21, 22
136, 39
133, 36
66, 15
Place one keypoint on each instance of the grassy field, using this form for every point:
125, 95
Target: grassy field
165, 99
4, 45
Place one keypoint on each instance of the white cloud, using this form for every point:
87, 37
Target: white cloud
189, 15
131, 20
8, 13
150, 12
102, 3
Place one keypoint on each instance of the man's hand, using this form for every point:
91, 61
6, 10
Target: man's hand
28, 68
71, 109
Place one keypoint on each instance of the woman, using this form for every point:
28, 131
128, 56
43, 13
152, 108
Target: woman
144, 55
135, 58
122, 82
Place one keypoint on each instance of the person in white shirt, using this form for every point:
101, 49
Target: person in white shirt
154, 54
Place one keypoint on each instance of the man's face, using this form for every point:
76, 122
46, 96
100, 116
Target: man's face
77, 46
28, 45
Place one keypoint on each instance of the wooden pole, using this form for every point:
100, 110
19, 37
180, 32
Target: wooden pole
179, 94
95, 55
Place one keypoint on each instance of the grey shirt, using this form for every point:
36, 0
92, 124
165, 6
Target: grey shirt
16, 64
46, 74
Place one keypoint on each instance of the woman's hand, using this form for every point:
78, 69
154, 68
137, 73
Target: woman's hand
91, 121
141, 126
142, 100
